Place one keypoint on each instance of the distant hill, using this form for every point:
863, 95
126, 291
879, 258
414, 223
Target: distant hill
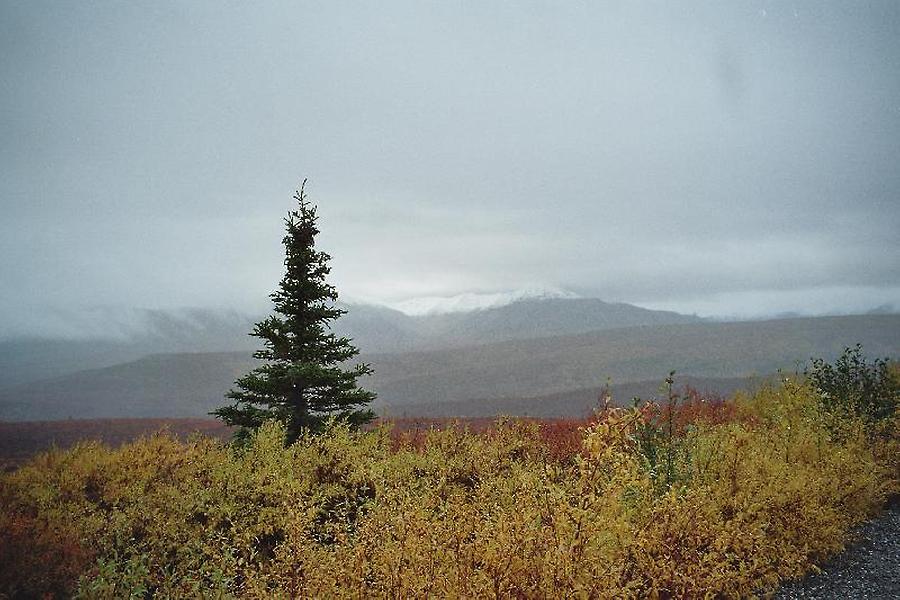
517, 376
122, 336
159, 385
545, 366
535, 318
104, 339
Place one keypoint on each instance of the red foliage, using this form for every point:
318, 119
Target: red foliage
688, 407
410, 432
706, 408
37, 561
562, 437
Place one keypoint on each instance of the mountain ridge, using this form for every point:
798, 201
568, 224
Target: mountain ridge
191, 384
373, 328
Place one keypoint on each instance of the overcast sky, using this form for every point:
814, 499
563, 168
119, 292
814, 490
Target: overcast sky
718, 157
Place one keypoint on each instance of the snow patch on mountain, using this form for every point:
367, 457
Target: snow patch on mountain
433, 305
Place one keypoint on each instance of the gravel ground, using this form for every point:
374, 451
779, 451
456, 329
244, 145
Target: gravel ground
868, 568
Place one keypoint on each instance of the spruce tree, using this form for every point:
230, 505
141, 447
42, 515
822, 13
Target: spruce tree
302, 381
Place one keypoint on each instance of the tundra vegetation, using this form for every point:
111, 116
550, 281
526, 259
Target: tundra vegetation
688, 497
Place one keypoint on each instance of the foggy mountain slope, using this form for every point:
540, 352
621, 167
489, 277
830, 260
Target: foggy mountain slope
538, 367
536, 318
107, 337
112, 337
171, 385
411, 382
23, 360
378, 328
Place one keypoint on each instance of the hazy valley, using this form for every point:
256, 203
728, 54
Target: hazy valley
539, 357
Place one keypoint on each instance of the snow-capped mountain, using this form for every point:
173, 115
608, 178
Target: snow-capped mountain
436, 305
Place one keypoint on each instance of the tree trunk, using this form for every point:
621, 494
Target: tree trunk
300, 414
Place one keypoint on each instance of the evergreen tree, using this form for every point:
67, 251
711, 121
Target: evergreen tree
302, 381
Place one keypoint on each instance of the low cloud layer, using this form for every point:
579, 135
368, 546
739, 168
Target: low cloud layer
734, 159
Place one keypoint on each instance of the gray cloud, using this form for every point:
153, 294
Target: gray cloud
647, 152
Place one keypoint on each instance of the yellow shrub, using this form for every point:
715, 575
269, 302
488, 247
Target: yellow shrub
756, 500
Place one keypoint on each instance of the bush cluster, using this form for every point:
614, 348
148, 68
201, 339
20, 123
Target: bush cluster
725, 501
854, 386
